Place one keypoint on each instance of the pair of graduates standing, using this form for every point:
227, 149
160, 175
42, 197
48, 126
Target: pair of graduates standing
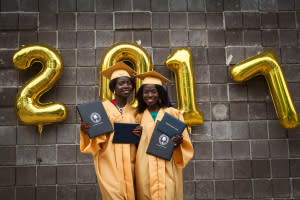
125, 171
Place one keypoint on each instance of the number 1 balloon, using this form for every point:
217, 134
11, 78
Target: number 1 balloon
180, 62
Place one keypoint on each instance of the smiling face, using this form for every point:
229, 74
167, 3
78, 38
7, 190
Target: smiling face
123, 87
150, 95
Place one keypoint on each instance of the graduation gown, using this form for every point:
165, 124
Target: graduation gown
157, 178
114, 163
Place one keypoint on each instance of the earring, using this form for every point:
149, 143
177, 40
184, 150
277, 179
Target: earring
159, 101
114, 91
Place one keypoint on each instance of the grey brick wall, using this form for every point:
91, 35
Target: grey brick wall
241, 151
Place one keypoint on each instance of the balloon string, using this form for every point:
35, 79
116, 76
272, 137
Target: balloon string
189, 129
40, 127
39, 160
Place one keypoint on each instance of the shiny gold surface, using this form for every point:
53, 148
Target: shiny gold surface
124, 51
29, 109
181, 63
267, 64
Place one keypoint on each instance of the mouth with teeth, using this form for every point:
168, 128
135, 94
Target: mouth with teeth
149, 101
126, 91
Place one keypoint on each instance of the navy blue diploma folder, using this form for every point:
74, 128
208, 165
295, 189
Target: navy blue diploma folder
94, 113
171, 125
123, 133
161, 144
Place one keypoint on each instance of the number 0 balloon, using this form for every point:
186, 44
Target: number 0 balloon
124, 51
29, 109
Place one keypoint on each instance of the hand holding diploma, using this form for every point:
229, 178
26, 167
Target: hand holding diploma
177, 140
84, 126
138, 131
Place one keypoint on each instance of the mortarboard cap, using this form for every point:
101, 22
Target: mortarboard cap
118, 70
152, 77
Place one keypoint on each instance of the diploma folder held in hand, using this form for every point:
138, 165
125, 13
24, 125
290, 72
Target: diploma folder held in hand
171, 125
94, 113
123, 133
160, 144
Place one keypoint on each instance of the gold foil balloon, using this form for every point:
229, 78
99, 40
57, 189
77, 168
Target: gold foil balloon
29, 109
267, 64
123, 51
180, 62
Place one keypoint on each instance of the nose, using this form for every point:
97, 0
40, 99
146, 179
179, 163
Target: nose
127, 85
149, 94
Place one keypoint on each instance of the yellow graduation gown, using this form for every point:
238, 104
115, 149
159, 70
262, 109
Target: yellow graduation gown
114, 163
155, 177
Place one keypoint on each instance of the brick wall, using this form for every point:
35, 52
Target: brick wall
241, 151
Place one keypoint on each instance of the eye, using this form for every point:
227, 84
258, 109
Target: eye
121, 82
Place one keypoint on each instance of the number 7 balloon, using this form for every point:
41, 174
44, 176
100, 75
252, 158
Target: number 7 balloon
28, 107
267, 64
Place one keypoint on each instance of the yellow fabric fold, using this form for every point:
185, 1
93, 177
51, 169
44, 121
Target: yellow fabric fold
155, 177
114, 163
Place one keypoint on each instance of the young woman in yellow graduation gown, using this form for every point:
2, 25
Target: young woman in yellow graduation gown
157, 178
114, 163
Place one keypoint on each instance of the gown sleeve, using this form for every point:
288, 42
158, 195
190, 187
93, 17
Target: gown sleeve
138, 118
91, 145
184, 152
